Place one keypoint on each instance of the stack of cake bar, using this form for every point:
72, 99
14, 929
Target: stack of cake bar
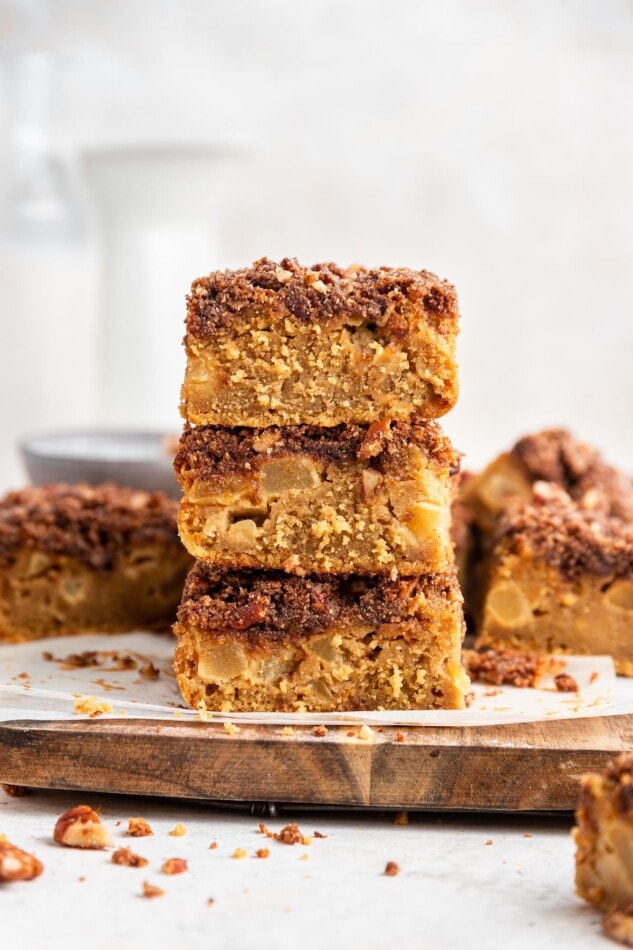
317, 491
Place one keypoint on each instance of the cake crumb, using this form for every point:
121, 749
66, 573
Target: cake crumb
210, 901
526, 835
318, 834
402, 818
287, 731
91, 706
319, 731
149, 671
400, 736
304, 857
213, 845
262, 853
391, 869
178, 830
231, 729
239, 853
366, 733
489, 841
565, 683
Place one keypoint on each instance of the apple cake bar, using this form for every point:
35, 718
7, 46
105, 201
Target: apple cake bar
284, 344
79, 559
267, 640
560, 580
368, 499
604, 837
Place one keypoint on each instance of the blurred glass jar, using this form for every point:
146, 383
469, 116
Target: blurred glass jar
48, 285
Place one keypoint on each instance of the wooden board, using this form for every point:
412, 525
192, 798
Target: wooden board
531, 767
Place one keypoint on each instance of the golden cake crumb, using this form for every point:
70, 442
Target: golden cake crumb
138, 828
174, 866
127, 858
178, 830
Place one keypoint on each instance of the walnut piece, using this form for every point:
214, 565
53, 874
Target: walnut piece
174, 866
127, 858
17, 865
391, 869
81, 828
138, 828
150, 890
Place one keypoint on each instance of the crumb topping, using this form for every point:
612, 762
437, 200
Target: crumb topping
322, 293
572, 539
90, 524
508, 667
554, 455
206, 451
272, 603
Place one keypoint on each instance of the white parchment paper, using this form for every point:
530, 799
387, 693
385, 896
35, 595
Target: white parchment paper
32, 687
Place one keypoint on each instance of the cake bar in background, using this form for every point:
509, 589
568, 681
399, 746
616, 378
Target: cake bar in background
76, 559
350, 498
283, 344
266, 640
559, 579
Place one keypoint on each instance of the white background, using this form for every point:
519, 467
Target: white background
491, 142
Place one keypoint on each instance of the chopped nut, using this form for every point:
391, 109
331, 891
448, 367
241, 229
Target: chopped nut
565, 683
138, 828
318, 834
290, 834
400, 737
81, 828
526, 835
239, 853
262, 853
213, 845
178, 830
489, 841
17, 865
174, 866
319, 731
150, 890
210, 901
127, 858
391, 869
401, 818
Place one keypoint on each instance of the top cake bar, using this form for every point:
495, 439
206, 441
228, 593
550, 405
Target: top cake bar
282, 344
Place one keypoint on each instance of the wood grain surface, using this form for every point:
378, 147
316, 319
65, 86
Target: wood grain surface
531, 767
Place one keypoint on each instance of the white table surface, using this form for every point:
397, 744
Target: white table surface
453, 890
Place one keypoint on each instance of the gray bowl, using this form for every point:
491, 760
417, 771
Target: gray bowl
134, 459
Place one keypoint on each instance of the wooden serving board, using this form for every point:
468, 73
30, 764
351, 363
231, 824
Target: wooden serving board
528, 767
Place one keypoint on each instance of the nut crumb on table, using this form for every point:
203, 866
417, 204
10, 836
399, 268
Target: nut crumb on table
262, 853
17, 865
391, 869
174, 866
81, 827
138, 828
126, 858
150, 890
319, 731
